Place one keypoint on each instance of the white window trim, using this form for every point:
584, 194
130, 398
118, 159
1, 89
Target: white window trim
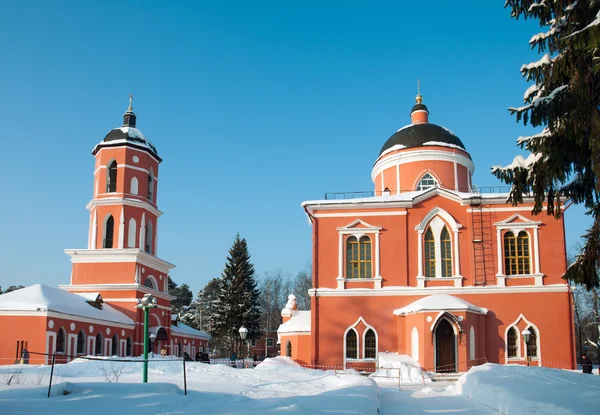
436, 180
364, 343
472, 344
519, 351
528, 226
532, 326
346, 359
351, 230
447, 220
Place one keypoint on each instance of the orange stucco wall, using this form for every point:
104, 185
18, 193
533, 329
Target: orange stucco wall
394, 332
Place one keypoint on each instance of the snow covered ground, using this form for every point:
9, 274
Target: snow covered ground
272, 387
279, 386
516, 390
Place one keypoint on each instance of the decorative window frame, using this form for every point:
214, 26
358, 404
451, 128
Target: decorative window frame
529, 226
446, 220
352, 230
346, 358
520, 354
364, 343
360, 347
436, 179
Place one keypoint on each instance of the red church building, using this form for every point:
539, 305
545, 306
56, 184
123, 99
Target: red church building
95, 313
432, 267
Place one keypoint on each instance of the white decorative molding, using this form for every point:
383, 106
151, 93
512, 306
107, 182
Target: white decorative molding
420, 155
143, 232
79, 256
524, 225
133, 186
358, 214
112, 201
122, 228
457, 281
414, 343
129, 147
397, 179
377, 282
399, 291
131, 233
55, 314
433, 174
94, 230
340, 282
455, 176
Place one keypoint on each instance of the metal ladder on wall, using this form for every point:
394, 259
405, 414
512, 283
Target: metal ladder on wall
481, 223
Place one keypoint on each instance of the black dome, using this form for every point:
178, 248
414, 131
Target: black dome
416, 135
127, 135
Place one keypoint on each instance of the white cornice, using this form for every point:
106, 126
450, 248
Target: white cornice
359, 214
79, 256
117, 287
412, 156
111, 201
411, 291
55, 314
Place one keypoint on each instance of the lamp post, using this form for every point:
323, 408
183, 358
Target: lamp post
146, 303
243, 335
526, 335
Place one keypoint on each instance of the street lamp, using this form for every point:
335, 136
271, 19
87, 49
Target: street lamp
243, 334
526, 335
152, 339
145, 303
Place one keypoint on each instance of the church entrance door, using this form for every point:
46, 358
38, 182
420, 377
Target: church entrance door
445, 347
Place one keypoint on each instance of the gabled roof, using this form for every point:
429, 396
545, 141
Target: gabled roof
439, 302
43, 298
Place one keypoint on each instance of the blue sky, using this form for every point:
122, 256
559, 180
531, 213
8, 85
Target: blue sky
253, 106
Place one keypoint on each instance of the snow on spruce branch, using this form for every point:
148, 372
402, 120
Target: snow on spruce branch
520, 162
540, 100
544, 60
526, 139
595, 22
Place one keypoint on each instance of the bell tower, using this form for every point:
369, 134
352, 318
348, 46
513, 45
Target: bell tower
121, 261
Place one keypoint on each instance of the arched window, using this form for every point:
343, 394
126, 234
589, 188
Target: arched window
148, 247
133, 188
111, 177
81, 342
429, 254
370, 345
358, 257
150, 185
129, 347
516, 253
149, 282
99, 347
446, 252
512, 342
288, 349
114, 349
426, 182
109, 231
532, 350
131, 230
60, 341
351, 345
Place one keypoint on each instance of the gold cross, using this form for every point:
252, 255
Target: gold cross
130, 102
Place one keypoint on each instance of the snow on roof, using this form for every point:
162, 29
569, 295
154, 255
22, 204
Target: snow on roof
40, 297
439, 302
440, 143
299, 323
184, 330
89, 296
405, 197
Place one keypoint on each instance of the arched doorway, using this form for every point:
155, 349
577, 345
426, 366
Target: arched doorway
445, 347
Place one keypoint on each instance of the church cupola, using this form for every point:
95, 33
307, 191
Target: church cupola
422, 155
129, 117
419, 113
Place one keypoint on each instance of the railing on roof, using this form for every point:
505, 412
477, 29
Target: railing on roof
371, 193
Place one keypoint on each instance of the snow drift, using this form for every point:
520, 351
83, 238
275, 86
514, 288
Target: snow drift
524, 390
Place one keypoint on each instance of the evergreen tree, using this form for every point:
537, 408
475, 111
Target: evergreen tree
184, 296
237, 302
565, 100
